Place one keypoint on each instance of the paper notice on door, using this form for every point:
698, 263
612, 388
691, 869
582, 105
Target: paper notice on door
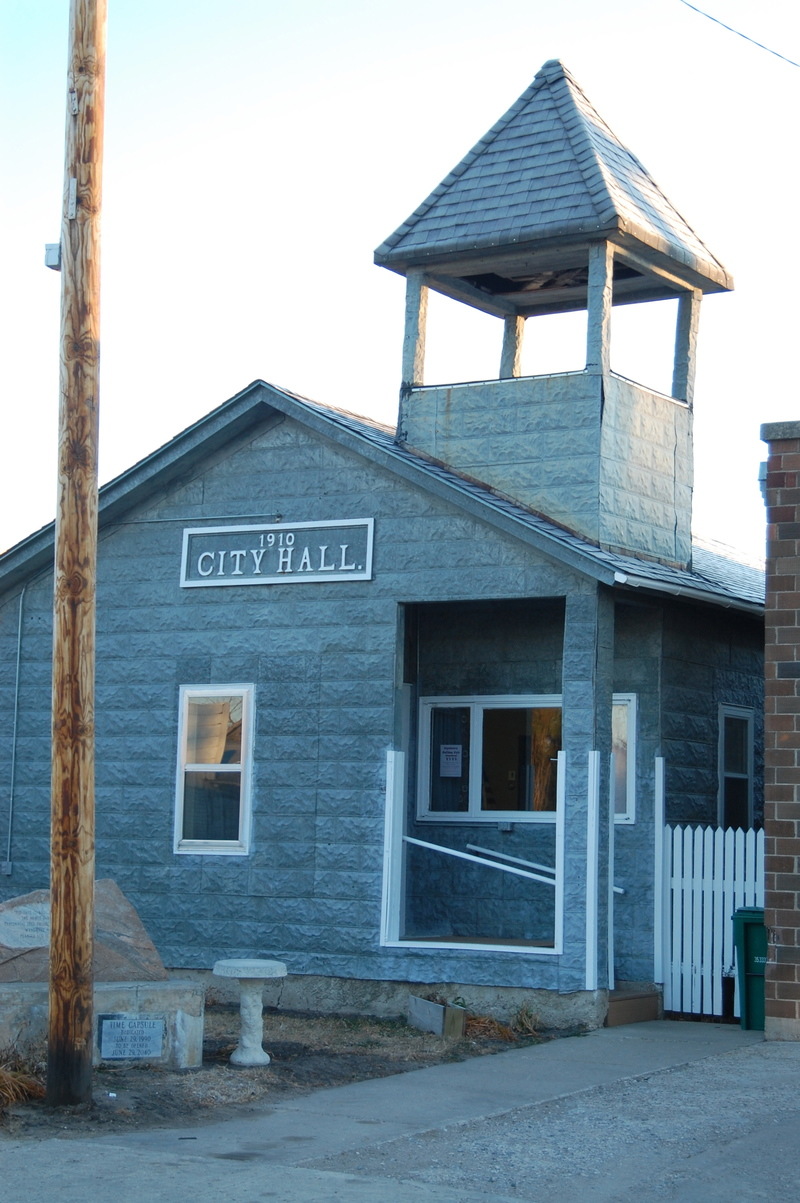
450, 760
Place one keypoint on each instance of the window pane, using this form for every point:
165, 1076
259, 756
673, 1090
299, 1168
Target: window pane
619, 746
214, 730
736, 809
735, 752
211, 806
546, 728
450, 758
520, 747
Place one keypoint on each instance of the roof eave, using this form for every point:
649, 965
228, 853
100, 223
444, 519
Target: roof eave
173, 459
707, 275
629, 581
401, 259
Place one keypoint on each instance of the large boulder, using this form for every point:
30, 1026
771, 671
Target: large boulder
123, 951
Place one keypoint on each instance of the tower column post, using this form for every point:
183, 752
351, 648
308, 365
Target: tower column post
513, 329
685, 362
414, 339
600, 291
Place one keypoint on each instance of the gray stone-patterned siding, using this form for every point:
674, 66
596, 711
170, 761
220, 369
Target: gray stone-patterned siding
322, 658
327, 661
682, 662
599, 454
637, 669
710, 659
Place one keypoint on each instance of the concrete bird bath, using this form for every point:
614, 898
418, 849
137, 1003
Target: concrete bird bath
252, 974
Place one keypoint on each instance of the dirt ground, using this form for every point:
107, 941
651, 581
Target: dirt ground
308, 1051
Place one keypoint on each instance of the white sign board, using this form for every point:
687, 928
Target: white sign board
278, 553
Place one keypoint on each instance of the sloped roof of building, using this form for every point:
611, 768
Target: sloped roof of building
716, 575
715, 578
549, 171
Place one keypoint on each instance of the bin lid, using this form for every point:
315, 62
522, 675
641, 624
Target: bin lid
755, 913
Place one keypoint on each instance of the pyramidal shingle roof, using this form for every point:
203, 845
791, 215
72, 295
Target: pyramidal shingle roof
549, 169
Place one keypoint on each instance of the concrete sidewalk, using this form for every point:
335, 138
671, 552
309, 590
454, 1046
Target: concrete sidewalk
651, 1111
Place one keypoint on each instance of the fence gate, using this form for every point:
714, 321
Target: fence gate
708, 873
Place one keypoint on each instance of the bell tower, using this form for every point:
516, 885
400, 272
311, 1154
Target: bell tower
548, 213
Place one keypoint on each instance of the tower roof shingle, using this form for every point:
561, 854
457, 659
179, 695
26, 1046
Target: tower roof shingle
549, 172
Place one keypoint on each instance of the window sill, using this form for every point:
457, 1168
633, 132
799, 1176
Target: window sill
519, 948
497, 816
210, 848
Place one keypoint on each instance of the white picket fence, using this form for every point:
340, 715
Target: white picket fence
708, 872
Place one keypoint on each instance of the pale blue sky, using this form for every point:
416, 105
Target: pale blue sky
257, 152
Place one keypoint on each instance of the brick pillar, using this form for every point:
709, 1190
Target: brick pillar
782, 732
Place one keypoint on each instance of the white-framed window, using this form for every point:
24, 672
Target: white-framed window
212, 808
735, 766
484, 759
623, 747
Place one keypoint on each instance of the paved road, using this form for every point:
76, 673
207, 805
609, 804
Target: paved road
695, 1113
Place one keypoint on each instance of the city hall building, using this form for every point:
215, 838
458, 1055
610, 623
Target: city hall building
410, 705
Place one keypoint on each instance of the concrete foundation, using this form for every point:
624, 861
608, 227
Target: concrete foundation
348, 996
180, 1004
781, 1029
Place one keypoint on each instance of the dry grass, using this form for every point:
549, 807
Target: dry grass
309, 1051
20, 1078
485, 1028
526, 1022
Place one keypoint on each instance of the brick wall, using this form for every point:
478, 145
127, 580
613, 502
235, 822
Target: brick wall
782, 732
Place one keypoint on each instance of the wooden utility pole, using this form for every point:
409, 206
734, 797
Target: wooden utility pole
69, 1056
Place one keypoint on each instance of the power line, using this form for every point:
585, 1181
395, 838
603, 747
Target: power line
739, 34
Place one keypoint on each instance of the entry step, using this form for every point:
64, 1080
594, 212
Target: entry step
633, 1004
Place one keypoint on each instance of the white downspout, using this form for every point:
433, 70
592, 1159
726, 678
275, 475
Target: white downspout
592, 867
659, 820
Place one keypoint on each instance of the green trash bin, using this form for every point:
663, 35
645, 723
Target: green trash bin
750, 940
